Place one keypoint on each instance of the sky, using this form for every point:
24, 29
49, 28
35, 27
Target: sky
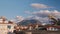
29, 8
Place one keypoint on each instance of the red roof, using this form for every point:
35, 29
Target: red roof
53, 26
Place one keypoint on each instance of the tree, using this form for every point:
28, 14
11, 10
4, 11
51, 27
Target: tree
58, 23
54, 20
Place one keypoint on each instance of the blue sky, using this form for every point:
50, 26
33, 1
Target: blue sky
13, 8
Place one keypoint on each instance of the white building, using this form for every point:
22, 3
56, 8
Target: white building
6, 27
53, 28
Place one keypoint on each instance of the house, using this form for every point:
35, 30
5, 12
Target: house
53, 28
6, 26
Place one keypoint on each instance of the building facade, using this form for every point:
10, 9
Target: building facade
6, 26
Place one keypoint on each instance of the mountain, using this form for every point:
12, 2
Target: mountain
27, 22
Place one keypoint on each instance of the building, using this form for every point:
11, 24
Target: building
6, 26
53, 28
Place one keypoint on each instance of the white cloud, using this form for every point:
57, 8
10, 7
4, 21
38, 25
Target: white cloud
41, 19
19, 18
45, 13
42, 15
37, 5
45, 19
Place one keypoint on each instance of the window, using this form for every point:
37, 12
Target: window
9, 26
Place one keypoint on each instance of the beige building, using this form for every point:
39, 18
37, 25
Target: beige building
6, 26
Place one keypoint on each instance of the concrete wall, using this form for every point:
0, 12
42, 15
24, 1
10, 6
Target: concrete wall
43, 32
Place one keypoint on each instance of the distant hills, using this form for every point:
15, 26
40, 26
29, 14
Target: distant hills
29, 21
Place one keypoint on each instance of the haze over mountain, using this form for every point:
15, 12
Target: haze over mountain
29, 21
33, 20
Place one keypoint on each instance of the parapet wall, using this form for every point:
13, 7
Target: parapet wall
43, 32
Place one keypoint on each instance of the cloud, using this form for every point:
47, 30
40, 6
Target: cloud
45, 13
37, 5
42, 15
41, 19
19, 18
